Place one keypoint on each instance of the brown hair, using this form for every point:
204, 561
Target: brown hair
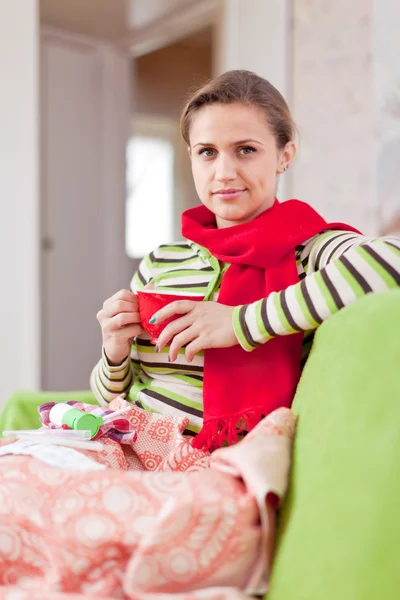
243, 87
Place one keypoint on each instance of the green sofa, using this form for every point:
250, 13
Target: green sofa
339, 529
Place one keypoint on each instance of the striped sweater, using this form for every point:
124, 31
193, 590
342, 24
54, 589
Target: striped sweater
335, 268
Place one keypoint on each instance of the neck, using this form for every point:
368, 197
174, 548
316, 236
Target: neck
224, 223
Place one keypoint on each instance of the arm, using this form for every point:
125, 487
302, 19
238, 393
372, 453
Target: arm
340, 268
108, 381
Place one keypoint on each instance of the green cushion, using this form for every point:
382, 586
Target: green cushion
21, 410
339, 529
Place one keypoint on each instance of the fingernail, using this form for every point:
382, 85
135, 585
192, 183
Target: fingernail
152, 320
156, 348
169, 358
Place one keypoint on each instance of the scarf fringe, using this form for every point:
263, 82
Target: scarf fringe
218, 432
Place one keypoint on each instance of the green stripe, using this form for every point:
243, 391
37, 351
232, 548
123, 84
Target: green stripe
106, 383
184, 273
197, 383
183, 290
166, 265
281, 315
352, 281
378, 268
260, 323
238, 330
177, 397
193, 428
149, 349
390, 246
323, 237
138, 282
303, 306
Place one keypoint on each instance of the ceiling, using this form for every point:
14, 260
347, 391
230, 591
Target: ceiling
107, 19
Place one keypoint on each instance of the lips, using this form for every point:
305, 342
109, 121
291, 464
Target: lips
229, 193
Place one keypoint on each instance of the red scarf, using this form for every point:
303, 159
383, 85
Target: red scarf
241, 387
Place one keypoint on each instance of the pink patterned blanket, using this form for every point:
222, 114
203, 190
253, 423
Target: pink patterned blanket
163, 521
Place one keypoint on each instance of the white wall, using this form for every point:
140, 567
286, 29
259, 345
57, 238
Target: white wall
334, 109
256, 35
19, 197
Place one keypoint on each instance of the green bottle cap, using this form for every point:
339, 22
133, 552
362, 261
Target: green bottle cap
80, 420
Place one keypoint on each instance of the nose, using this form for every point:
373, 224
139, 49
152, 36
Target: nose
225, 168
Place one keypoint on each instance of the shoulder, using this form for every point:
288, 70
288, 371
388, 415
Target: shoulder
322, 248
162, 258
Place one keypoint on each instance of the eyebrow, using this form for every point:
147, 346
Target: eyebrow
234, 144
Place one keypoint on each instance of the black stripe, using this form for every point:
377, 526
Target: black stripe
143, 342
195, 377
309, 302
170, 260
286, 312
189, 432
393, 245
338, 246
333, 291
173, 366
324, 247
174, 403
244, 327
357, 276
304, 262
185, 246
117, 378
265, 319
182, 286
395, 274
124, 391
141, 277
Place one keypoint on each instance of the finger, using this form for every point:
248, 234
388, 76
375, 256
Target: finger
131, 331
120, 306
173, 328
121, 320
125, 295
128, 333
183, 338
196, 346
179, 307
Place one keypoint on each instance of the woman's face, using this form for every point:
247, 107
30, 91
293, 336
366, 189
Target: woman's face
235, 161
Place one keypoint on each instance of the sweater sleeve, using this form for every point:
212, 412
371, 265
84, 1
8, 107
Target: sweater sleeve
106, 381
339, 267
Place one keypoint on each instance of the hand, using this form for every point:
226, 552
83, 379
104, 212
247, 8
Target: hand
120, 323
203, 325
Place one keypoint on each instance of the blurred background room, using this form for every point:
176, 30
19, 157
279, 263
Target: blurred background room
93, 173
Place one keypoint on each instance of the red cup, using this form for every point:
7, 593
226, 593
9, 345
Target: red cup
151, 301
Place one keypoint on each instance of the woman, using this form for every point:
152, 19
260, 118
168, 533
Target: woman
272, 273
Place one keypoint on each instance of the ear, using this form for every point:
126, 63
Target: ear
286, 157
189, 151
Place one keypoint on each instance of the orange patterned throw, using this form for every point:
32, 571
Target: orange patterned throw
163, 521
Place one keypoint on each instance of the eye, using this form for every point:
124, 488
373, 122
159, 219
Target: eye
207, 152
247, 150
